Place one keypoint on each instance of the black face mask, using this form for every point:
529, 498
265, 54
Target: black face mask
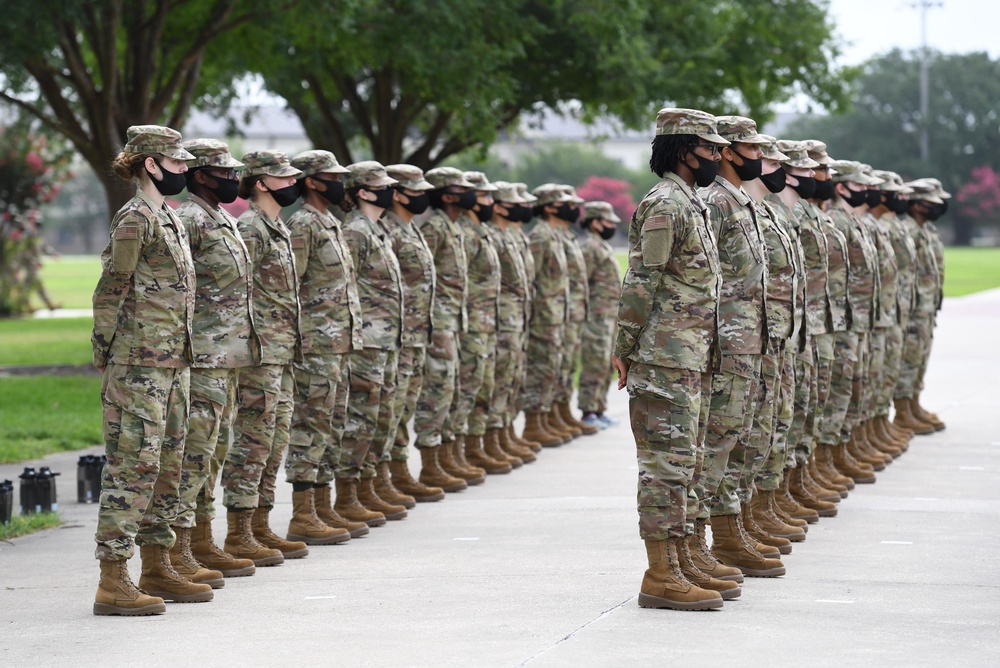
285, 196
526, 213
944, 208
484, 212
900, 205
608, 233
855, 198
417, 204
874, 198
171, 183
775, 181
334, 193
936, 211
466, 200
568, 212
750, 169
227, 190
807, 186
705, 172
383, 198
824, 190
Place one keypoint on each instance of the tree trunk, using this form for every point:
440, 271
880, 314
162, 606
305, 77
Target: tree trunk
116, 191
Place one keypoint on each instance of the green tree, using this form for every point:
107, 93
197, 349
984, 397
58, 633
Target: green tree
88, 69
883, 126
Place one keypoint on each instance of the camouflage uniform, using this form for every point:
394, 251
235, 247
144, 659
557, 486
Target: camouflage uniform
523, 244
886, 316
143, 312
604, 285
266, 391
223, 339
667, 320
577, 315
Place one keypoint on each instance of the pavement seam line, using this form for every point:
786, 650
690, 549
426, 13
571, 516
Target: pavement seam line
575, 631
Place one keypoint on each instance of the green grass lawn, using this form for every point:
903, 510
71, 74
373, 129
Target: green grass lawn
70, 280
45, 341
22, 525
46, 414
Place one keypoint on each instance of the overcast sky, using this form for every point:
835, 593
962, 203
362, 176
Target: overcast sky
953, 26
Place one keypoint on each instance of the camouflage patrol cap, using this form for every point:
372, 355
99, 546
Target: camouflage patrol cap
853, 171
550, 193
268, 163
442, 177
507, 193
522, 190
891, 182
798, 154
941, 192
598, 209
571, 191
409, 176
368, 174
482, 183
739, 130
210, 153
671, 121
771, 150
317, 162
817, 151
924, 191
156, 139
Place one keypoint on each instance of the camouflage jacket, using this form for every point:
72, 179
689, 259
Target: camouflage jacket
223, 335
144, 299
906, 263
579, 295
520, 238
445, 241
782, 287
483, 293
416, 269
938, 247
380, 287
550, 297
275, 285
815, 256
836, 277
742, 326
862, 270
669, 306
887, 299
328, 290
927, 274
604, 278
512, 314
790, 225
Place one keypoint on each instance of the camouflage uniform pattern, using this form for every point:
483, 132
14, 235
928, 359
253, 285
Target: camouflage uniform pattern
523, 244
470, 408
604, 285
512, 322
577, 315
550, 291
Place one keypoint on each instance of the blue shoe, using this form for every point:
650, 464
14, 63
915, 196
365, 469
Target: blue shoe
592, 420
608, 422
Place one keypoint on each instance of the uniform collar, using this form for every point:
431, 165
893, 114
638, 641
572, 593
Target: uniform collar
739, 194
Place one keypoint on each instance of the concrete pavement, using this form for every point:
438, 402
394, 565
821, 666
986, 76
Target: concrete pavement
541, 567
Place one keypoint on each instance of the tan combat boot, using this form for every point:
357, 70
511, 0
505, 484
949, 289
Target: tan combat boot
459, 456
727, 588
788, 503
241, 544
491, 446
386, 488
567, 416
535, 431
763, 513
185, 563
160, 579
405, 483
703, 558
116, 595
555, 423
802, 493
845, 462
824, 459
879, 441
205, 551
863, 451
260, 525
905, 419
369, 498
433, 475
306, 526
884, 430
821, 487
348, 506
325, 512
758, 533
925, 415
509, 446
783, 516
477, 457
664, 585
733, 547
534, 446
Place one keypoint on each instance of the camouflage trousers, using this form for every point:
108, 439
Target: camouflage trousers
263, 418
572, 341
768, 475
916, 352
595, 365
213, 400
853, 415
542, 367
331, 456
872, 395
430, 420
841, 382
317, 379
145, 425
801, 436
369, 411
471, 407
509, 367
668, 416
409, 383
728, 450
891, 368
826, 357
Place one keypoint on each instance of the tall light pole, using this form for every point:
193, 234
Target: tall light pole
925, 65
